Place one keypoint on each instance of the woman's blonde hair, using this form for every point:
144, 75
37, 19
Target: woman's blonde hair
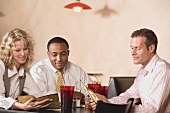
8, 42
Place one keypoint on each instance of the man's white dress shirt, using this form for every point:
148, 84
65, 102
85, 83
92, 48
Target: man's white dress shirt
46, 77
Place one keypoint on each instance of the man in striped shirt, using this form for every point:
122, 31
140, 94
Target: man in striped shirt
151, 88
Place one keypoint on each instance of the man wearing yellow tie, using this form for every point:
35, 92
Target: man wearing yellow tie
56, 70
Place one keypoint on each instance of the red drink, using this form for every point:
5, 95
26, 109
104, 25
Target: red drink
93, 87
104, 91
67, 93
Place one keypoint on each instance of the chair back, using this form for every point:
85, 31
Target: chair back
118, 85
103, 107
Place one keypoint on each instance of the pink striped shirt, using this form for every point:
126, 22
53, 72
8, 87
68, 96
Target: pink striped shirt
152, 86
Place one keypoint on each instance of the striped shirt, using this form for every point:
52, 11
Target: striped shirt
152, 86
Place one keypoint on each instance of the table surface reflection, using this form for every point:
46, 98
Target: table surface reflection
74, 110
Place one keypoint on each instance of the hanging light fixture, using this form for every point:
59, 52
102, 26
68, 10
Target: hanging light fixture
77, 6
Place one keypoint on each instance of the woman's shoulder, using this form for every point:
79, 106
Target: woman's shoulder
2, 65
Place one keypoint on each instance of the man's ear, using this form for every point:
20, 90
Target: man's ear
68, 52
48, 53
152, 48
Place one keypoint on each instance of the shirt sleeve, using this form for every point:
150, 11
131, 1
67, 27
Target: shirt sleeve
6, 103
85, 78
39, 77
32, 88
132, 92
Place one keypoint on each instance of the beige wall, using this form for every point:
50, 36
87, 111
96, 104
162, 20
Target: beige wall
98, 38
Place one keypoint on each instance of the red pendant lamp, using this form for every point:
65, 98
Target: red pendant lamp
77, 6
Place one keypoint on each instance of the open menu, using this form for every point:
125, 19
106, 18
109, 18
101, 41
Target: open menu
54, 105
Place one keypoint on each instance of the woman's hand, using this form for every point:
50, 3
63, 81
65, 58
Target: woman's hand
32, 104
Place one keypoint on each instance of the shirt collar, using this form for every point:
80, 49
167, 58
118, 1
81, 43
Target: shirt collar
54, 69
149, 67
14, 71
152, 63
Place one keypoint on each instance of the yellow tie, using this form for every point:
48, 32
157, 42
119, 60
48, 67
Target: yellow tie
59, 81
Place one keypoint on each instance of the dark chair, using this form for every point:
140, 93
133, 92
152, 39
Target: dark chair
103, 107
119, 85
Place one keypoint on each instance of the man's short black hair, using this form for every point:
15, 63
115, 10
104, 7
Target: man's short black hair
57, 40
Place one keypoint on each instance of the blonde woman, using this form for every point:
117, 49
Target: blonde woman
16, 54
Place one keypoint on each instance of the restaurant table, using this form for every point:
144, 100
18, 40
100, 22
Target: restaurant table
74, 110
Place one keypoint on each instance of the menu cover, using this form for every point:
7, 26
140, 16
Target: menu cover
54, 105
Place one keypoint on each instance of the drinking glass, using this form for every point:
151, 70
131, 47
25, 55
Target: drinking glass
67, 93
93, 87
103, 90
